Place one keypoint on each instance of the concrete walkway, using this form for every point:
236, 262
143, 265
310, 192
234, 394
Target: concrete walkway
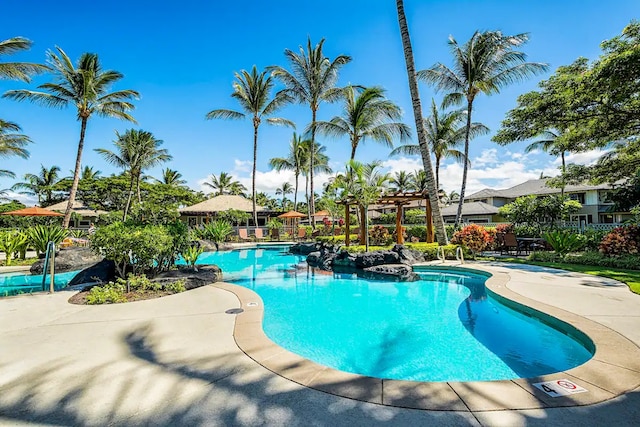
173, 361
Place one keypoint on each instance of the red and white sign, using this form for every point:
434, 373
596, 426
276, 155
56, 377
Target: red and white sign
559, 388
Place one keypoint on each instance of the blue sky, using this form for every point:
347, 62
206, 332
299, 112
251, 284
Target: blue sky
181, 57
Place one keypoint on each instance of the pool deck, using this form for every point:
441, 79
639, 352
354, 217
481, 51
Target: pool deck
177, 360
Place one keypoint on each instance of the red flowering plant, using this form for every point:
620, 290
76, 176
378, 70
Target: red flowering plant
473, 237
621, 240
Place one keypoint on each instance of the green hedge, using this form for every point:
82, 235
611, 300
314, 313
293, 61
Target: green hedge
337, 239
627, 262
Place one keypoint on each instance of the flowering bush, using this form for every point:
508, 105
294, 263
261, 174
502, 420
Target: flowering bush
379, 235
621, 240
504, 228
473, 237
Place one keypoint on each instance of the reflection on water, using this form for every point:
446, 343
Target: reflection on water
442, 328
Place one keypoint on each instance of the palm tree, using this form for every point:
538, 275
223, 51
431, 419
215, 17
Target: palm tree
550, 142
85, 87
293, 162
12, 144
365, 184
312, 80
253, 92
445, 132
366, 115
453, 196
136, 151
89, 174
40, 185
171, 177
486, 63
18, 70
417, 114
286, 188
402, 182
320, 164
224, 184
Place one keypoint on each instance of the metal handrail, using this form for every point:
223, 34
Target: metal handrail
50, 262
439, 251
460, 255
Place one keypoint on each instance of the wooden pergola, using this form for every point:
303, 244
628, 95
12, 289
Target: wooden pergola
398, 199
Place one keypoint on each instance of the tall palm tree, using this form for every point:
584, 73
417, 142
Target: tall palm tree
18, 70
551, 142
417, 114
402, 182
485, 64
136, 151
293, 162
224, 184
286, 188
366, 114
253, 93
171, 177
365, 184
320, 164
40, 185
12, 144
89, 174
86, 87
445, 131
312, 80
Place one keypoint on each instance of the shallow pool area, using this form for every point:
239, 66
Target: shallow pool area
442, 328
17, 283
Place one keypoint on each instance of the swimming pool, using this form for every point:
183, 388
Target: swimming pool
442, 328
17, 283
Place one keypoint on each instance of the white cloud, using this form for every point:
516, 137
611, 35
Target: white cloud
408, 164
487, 157
585, 158
242, 165
22, 198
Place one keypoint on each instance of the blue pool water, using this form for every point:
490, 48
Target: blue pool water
442, 328
20, 283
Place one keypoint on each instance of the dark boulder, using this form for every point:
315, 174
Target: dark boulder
194, 278
408, 256
305, 248
69, 259
397, 272
369, 259
344, 259
103, 271
323, 258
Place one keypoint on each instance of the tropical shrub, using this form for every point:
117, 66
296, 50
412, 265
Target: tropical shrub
110, 293
593, 238
545, 256
176, 287
504, 228
450, 230
191, 254
217, 231
10, 243
628, 262
621, 240
40, 235
473, 237
430, 250
526, 230
140, 283
379, 235
418, 231
353, 239
137, 249
414, 216
274, 223
564, 241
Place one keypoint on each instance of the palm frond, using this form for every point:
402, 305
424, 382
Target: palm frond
224, 114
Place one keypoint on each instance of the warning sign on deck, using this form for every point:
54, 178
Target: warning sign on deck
559, 388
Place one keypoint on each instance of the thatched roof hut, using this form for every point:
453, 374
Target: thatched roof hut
221, 203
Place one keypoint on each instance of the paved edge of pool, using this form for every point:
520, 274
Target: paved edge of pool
613, 370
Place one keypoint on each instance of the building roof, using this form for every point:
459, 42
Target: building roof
470, 208
220, 204
78, 207
533, 186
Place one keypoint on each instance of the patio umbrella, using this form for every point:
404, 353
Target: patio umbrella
34, 211
290, 218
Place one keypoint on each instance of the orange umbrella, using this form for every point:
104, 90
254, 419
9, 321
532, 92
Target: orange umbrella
34, 211
322, 213
292, 214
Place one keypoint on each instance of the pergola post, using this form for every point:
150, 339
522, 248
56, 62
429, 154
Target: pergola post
399, 234
347, 225
429, 217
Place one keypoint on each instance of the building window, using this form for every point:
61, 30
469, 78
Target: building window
578, 197
606, 219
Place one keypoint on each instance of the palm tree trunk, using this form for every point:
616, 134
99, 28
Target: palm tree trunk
438, 173
138, 186
312, 205
466, 163
126, 207
76, 175
295, 195
564, 167
417, 113
353, 151
253, 177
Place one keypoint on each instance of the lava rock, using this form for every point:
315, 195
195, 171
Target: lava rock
305, 248
369, 259
397, 272
408, 256
344, 259
194, 277
103, 271
69, 259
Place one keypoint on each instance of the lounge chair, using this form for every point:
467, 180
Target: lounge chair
242, 233
275, 234
302, 234
511, 244
259, 234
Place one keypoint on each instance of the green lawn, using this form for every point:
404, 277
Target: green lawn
630, 277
